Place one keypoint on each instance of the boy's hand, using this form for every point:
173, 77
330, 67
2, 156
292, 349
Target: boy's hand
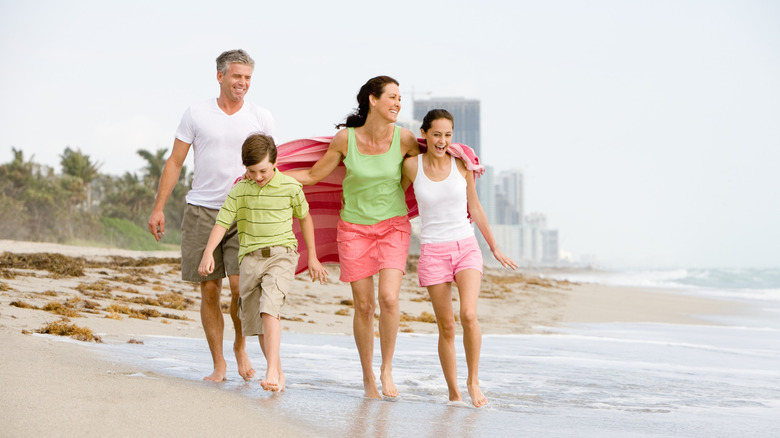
317, 271
206, 266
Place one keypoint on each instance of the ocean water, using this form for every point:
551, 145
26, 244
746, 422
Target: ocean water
582, 380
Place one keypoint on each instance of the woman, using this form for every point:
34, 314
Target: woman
374, 230
449, 251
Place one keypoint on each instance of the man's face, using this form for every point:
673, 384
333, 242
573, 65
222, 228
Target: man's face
235, 83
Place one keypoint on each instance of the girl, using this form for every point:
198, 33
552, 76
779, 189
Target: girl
445, 192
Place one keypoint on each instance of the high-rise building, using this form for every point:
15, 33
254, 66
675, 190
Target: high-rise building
465, 112
509, 197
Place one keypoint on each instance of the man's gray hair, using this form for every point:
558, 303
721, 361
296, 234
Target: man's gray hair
237, 56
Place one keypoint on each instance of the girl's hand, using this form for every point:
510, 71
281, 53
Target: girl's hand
504, 260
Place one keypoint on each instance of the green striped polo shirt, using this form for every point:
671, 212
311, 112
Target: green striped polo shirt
264, 214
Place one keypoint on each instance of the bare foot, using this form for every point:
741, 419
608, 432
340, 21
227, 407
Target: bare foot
455, 395
271, 382
369, 385
245, 369
477, 398
282, 380
388, 387
218, 375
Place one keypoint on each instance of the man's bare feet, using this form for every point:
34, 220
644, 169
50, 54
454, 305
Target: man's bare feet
245, 369
369, 385
218, 375
477, 398
388, 387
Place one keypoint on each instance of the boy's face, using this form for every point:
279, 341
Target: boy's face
261, 172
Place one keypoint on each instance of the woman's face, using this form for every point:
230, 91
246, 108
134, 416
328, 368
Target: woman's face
438, 136
388, 105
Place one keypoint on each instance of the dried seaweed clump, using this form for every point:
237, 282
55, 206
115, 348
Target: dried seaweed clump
22, 305
424, 317
55, 263
63, 309
63, 328
128, 262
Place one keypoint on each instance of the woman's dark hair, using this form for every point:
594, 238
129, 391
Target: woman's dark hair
256, 147
374, 87
436, 114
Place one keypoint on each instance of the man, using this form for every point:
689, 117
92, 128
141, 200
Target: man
215, 129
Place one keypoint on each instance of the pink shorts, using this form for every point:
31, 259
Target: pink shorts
365, 249
439, 262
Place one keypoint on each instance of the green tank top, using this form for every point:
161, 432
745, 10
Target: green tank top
372, 185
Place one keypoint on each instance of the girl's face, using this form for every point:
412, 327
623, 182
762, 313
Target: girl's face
261, 172
438, 136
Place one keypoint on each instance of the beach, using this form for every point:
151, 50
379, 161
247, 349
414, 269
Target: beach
135, 304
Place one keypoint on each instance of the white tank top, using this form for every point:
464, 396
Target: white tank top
442, 205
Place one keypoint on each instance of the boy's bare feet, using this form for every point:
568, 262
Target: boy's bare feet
271, 382
388, 387
218, 375
245, 369
477, 398
369, 385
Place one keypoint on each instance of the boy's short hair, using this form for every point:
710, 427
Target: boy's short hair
256, 147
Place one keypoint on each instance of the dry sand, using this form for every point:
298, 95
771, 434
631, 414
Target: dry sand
50, 385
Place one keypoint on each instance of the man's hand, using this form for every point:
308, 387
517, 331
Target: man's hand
157, 224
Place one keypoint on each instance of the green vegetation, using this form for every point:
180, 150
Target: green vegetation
81, 205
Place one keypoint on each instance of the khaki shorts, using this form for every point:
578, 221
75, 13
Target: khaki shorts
195, 230
266, 275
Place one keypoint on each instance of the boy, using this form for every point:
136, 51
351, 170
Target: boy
263, 205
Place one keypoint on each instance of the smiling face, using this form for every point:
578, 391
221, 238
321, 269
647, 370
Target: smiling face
438, 137
234, 84
388, 105
261, 172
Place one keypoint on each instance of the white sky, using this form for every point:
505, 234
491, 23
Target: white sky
649, 131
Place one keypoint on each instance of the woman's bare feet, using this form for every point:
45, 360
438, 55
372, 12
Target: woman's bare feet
388, 387
477, 398
369, 385
455, 395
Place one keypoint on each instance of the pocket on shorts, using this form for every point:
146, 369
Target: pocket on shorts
402, 224
345, 234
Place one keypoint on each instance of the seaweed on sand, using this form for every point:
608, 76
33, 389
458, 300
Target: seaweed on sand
63, 328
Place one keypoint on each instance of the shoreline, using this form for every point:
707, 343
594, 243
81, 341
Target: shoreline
39, 372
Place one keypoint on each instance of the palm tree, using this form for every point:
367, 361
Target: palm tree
76, 164
155, 162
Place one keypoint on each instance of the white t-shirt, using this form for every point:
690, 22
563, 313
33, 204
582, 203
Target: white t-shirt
443, 206
216, 140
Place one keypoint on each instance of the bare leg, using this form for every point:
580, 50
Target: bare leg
441, 298
272, 332
213, 326
245, 369
468, 286
363, 330
389, 316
